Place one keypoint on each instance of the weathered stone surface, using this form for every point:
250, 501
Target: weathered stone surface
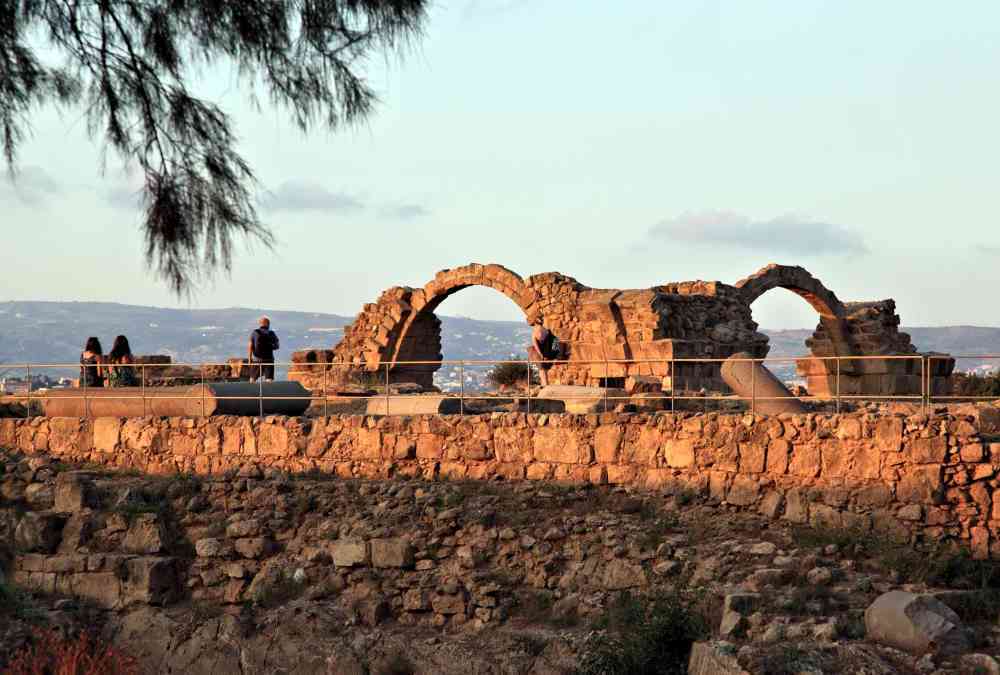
828, 470
714, 658
620, 574
349, 552
151, 580
679, 453
252, 547
208, 547
73, 492
916, 624
39, 532
395, 552
146, 535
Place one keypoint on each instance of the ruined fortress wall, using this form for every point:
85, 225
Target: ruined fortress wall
609, 334
918, 477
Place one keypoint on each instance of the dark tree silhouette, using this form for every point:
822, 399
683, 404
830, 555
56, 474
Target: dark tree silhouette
130, 64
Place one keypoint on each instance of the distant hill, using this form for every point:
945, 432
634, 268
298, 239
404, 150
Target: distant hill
949, 339
54, 332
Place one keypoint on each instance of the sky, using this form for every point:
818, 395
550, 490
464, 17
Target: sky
623, 144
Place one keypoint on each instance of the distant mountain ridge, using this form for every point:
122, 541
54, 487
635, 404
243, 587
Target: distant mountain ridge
54, 332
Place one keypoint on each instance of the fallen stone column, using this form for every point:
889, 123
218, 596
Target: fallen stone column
217, 398
584, 400
751, 380
413, 405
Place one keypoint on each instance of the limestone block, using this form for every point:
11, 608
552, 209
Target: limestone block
679, 453
560, 445
151, 580
607, 441
107, 431
413, 405
932, 450
208, 547
714, 658
146, 535
253, 547
621, 574
74, 491
448, 604
744, 491
39, 532
917, 624
393, 552
583, 400
104, 589
349, 552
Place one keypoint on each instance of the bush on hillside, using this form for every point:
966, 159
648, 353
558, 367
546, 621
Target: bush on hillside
510, 374
645, 636
973, 384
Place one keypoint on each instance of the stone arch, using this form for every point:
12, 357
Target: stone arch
797, 280
417, 336
832, 334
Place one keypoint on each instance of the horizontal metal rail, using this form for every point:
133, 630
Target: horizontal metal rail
926, 395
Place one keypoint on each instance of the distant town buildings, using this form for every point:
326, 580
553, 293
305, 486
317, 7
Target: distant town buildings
21, 385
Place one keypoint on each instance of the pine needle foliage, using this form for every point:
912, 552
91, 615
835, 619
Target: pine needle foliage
131, 64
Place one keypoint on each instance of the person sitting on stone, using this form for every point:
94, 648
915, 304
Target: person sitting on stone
263, 344
120, 366
542, 349
91, 360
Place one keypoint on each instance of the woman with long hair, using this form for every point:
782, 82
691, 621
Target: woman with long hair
91, 359
120, 364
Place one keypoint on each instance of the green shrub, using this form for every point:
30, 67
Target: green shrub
973, 384
509, 374
15, 603
644, 636
940, 564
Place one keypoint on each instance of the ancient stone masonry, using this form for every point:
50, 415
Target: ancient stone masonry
611, 334
917, 478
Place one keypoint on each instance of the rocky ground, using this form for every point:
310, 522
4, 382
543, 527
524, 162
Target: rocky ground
274, 573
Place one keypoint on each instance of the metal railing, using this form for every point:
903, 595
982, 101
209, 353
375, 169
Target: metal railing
924, 367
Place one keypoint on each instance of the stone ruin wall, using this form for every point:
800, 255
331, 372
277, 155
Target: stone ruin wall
915, 478
683, 320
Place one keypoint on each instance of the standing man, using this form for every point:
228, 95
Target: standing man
542, 349
263, 344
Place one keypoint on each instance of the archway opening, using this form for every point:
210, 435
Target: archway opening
472, 324
790, 322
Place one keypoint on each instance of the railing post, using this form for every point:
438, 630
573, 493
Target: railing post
528, 387
260, 390
673, 386
753, 387
86, 401
461, 391
27, 377
606, 377
838, 385
326, 396
925, 383
143, 385
387, 389
202, 369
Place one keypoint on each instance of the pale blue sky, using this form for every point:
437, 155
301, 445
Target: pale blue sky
624, 144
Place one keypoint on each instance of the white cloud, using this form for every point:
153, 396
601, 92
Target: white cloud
296, 195
783, 234
403, 212
31, 185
